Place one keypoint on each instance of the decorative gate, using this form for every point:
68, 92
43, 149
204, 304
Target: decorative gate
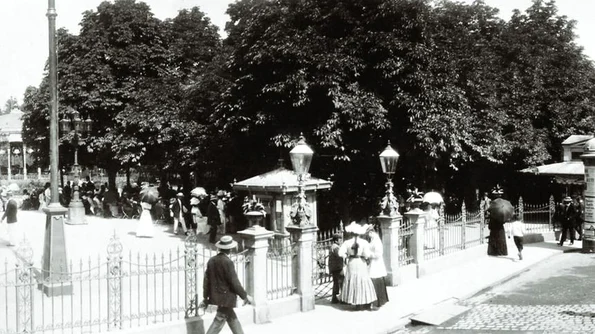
322, 280
321, 277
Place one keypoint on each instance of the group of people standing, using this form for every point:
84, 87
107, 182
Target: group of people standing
357, 267
570, 215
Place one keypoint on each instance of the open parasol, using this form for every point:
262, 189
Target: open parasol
14, 187
149, 195
433, 197
198, 192
500, 210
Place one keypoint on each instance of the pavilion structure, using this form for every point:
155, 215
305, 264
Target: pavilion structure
14, 154
570, 172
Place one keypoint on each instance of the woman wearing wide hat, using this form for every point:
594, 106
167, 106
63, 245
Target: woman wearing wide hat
358, 288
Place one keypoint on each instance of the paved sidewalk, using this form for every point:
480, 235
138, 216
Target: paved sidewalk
412, 297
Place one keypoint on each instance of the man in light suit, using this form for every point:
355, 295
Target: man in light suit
221, 287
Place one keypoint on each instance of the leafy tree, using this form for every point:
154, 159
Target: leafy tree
10, 104
170, 118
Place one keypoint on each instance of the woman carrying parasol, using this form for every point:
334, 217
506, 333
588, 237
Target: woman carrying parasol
500, 211
149, 195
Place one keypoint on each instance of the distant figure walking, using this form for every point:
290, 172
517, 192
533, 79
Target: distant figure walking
10, 214
213, 218
335, 266
568, 215
178, 210
517, 231
222, 287
358, 288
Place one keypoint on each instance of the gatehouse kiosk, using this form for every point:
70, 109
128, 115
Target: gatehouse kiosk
588, 158
277, 190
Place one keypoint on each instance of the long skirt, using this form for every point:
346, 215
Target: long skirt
381, 293
497, 242
145, 225
358, 288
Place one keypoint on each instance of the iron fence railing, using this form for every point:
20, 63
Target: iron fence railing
280, 278
454, 232
404, 246
107, 293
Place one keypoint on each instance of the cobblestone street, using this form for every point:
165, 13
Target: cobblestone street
552, 297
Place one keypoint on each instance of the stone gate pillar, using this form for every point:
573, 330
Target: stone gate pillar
417, 219
256, 238
304, 237
389, 225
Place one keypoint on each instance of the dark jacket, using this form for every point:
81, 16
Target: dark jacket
213, 217
568, 214
11, 211
221, 285
335, 262
176, 206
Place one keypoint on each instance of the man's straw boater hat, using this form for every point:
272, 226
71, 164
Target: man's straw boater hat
226, 242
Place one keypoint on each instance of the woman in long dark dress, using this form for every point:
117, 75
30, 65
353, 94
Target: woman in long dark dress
497, 240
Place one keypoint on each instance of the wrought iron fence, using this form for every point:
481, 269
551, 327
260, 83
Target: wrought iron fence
106, 293
328, 234
321, 277
404, 247
280, 276
537, 217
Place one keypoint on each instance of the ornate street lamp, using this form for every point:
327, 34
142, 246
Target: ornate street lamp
301, 158
81, 128
388, 161
55, 263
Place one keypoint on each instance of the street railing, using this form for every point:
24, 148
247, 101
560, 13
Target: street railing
452, 233
110, 292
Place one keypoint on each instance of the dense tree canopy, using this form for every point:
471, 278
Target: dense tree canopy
464, 96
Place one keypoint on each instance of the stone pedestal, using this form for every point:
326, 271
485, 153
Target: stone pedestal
256, 238
417, 219
389, 226
76, 210
56, 276
304, 237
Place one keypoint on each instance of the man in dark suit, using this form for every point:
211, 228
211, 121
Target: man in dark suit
10, 214
178, 211
213, 218
568, 216
221, 287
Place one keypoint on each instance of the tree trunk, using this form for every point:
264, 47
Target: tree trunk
112, 172
128, 176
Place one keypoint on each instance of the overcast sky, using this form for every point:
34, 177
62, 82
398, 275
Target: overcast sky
24, 27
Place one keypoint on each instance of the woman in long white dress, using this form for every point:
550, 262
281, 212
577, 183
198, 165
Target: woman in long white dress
358, 288
431, 229
377, 267
199, 220
145, 222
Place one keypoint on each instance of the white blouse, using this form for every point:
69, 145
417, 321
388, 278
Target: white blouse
377, 267
363, 250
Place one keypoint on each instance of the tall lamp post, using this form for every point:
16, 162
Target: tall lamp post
301, 158
388, 161
80, 127
55, 263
